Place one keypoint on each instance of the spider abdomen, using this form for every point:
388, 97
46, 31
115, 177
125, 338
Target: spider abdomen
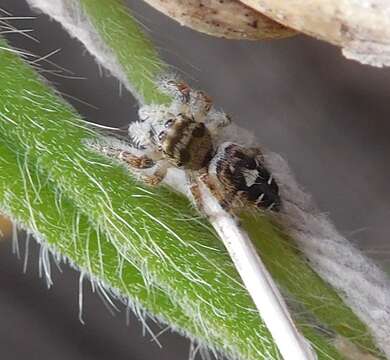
244, 178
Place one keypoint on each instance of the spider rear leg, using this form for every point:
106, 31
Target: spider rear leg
224, 199
193, 179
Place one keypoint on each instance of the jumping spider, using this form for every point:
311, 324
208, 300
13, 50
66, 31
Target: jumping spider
183, 135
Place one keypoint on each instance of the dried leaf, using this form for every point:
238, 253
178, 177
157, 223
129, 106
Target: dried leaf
360, 27
222, 18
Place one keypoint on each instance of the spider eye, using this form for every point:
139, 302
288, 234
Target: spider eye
168, 123
162, 135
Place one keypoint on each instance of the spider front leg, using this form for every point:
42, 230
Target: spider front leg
191, 102
200, 105
158, 175
216, 121
179, 90
141, 162
138, 162
117, 151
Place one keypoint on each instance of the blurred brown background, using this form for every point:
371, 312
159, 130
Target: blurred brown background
329, 117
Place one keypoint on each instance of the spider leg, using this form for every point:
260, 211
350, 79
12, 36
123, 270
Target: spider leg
158, 174
193, 179
179, 90
137, 162
125, 155
254, 152
194, 102
224, 199
141, 162
200, 105
217, 120
192, 182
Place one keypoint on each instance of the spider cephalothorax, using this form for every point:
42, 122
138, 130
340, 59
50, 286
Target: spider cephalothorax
185, 142
184, 135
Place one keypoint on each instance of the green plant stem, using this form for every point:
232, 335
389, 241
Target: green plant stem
134, 51
155, 230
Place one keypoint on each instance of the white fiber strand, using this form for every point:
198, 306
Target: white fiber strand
258, 281
81, 293
15, 241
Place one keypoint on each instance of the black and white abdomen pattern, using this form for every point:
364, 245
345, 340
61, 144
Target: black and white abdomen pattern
244, 177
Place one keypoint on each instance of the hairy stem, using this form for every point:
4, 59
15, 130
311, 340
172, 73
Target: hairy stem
134, 51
